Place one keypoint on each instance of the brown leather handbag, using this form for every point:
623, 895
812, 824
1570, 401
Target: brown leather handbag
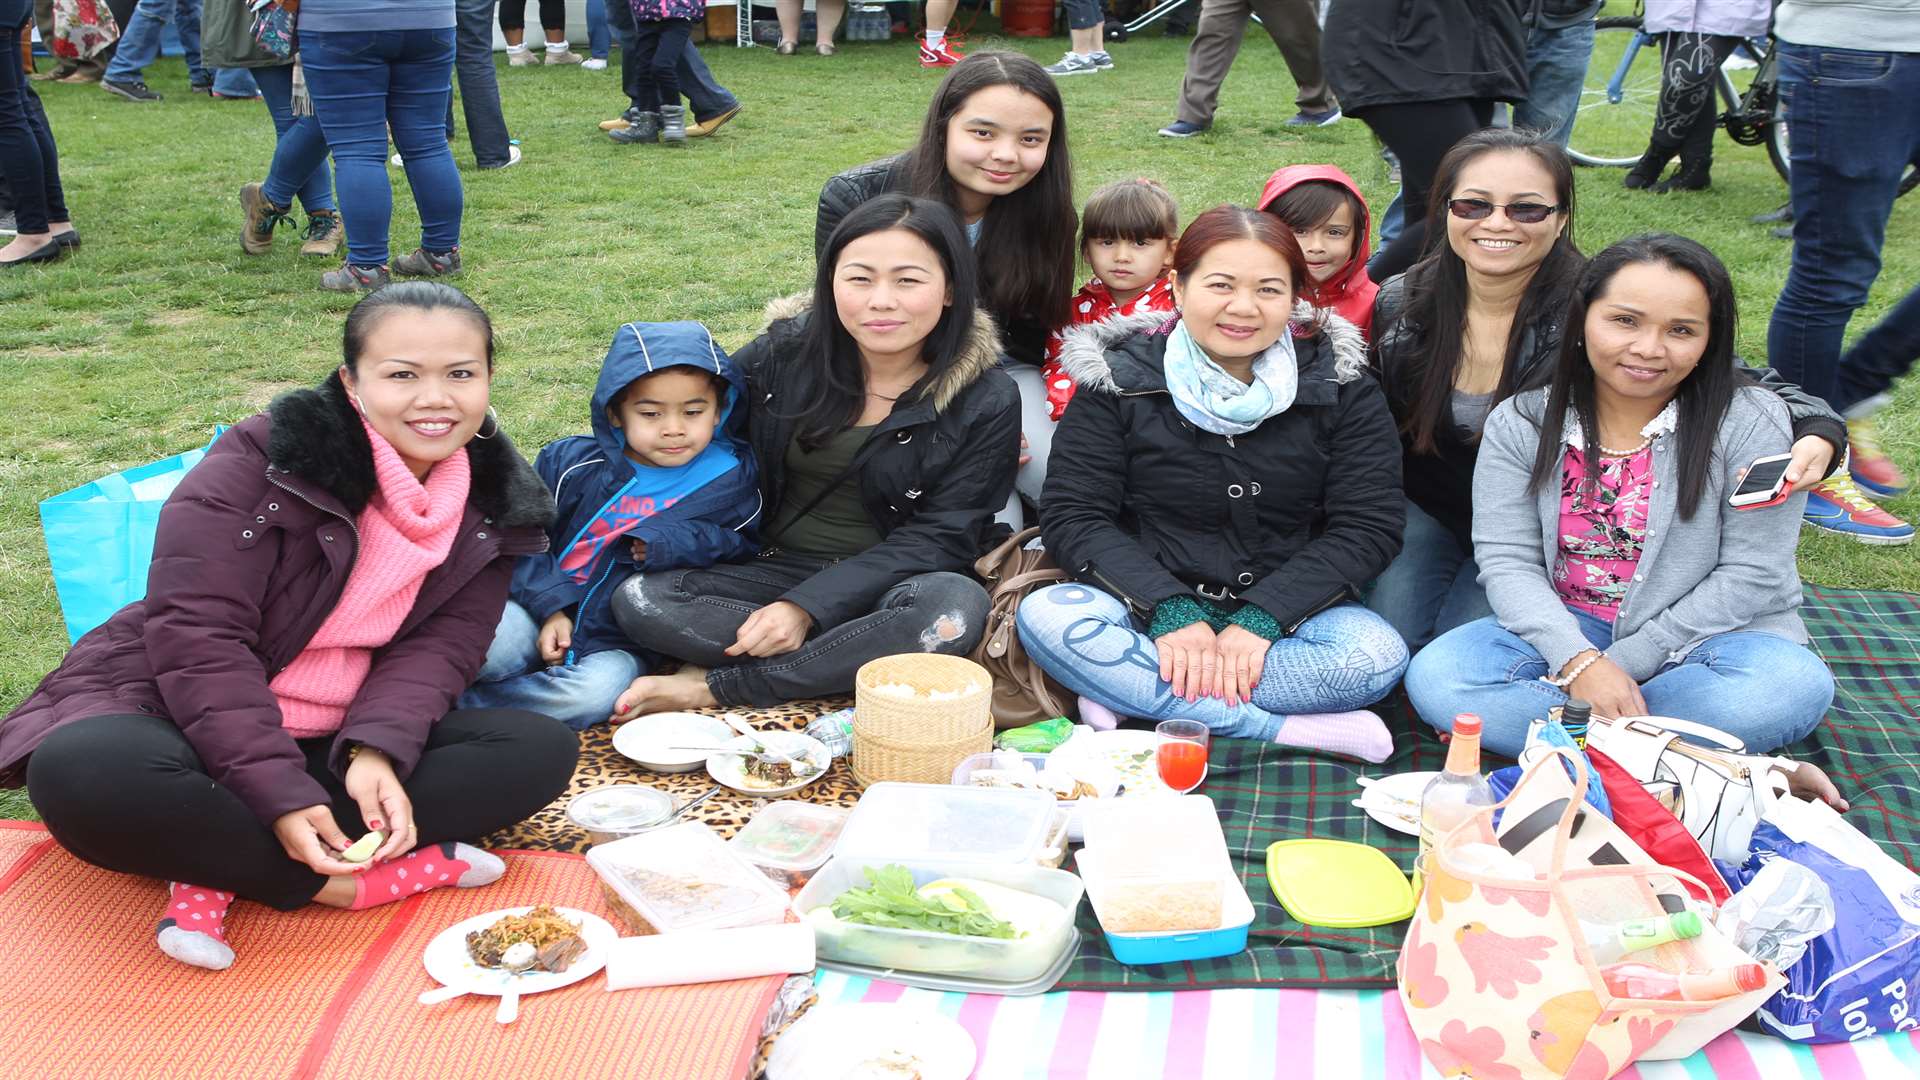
1022, 693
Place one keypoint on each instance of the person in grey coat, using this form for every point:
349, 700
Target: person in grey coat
1617, 570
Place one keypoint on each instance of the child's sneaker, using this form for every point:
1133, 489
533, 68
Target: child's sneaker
1835, 505
595, 63
1103, 60
1072, 64
940, 56
1872, 469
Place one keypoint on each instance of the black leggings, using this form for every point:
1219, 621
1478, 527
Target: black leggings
128, 793
1689, 68
553, 14
1419, 134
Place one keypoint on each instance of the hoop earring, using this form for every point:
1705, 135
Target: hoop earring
493, 416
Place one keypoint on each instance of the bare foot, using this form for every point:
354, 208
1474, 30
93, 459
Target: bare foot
684, 689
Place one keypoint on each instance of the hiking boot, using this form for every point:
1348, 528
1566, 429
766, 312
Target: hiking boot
1835, 505
563, 56
132, 91
324, 233
1182, 129
708, 126
642, 127
522, 57
673, 125
1303, 118
256, 236
423, 263
942, 57
1873, 471
622, 121
351, 278
1072, 64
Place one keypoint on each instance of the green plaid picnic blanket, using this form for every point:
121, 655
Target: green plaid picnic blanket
1869, 743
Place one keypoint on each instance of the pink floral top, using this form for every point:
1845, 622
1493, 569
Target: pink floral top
1603, 529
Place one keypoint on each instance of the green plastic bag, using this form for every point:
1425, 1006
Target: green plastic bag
1041, 738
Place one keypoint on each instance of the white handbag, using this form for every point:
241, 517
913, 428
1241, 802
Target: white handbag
1702, 774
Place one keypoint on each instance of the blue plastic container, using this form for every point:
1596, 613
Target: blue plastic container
1137, 949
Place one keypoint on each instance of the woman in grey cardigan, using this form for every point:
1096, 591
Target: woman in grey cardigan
1615, 567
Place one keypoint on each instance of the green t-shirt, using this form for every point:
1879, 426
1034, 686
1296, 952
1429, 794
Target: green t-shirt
837, 528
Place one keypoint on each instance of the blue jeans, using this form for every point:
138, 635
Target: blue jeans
658, 48
300, 152
479, 83
599, 37
1556, 72
705, 95
234, 83
139, 43
362, 82
1760, 688
1883, 354
28, 157
1343, 658
1855, 130
1432, 586
578, 695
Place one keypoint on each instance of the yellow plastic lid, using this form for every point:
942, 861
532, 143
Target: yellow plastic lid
1338, 883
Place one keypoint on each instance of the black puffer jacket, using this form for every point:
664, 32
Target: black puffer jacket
944, 467
1293, 517
1396, 52
1022, 339
1442, 483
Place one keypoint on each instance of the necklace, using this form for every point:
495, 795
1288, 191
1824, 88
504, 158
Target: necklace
1608, 451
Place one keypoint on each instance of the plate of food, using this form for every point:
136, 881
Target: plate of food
1117, 762
515, 951
872, 1041
770, 763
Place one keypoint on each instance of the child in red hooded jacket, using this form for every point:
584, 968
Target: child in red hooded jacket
1323, 207
1127, 234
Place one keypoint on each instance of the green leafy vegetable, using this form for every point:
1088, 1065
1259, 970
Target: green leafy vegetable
892, 901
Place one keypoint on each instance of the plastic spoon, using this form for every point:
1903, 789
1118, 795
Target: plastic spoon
696, 801
509, 1003
444, 993
767, 752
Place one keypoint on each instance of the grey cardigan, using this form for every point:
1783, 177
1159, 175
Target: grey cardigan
1724, 570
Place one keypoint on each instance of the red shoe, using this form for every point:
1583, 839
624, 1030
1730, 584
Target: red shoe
942, 57
1873, 471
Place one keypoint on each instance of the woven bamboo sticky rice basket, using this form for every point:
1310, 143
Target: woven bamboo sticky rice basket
919, 739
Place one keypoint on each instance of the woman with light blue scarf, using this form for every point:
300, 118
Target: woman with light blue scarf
1221, 486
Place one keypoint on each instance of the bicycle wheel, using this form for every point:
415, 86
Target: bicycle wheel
1615, 133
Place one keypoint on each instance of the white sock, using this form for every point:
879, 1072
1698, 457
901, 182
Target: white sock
483, 867
556, 46
935, 38
196, 948
522, 48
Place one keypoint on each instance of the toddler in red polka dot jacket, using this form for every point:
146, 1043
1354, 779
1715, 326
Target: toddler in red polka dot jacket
1127, 235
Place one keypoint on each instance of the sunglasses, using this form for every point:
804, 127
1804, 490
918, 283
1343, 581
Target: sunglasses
1526, 213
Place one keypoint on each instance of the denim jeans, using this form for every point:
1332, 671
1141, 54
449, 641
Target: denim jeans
1036, 426
695, 614
1883, 354
139, 43
1394, 219
1760, 688
1556, 72
658, 45
300, 155
234, 83
1345, 657
28, 156
479, 83
704, 94
1432, 586
362, 82
1855, 130
579, 695
599, 37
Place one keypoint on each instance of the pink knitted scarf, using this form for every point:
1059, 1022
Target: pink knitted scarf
406, 530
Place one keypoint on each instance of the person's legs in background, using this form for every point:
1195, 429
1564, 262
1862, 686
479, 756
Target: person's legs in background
1883, 354
826, 22
1295, 30
299, 168
513, 27
935, 50
28, 156
1420, 135
643, 120
348, 76
598, 35
553, 21
712, 104
1556, 72
233, 84
663, 66
1684, 122
480, 85
1854, 134
1223, 23
421, 79
1086, 44
138, 47
186, 23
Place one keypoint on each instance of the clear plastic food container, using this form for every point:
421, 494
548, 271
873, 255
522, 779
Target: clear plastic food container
683, 877
902, 822
999, 959
1171, 946
1160, 864
789, 840
619, 810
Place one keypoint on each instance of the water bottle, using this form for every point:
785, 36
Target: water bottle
1453, 796
1644, 982
835, 729
1612, 942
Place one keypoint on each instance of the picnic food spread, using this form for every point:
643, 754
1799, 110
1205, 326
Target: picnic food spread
541, 940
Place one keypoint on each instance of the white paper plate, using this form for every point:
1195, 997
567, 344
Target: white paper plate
1394, 801
1105, 759
447, 960
838, 1042
645, 739
729, 769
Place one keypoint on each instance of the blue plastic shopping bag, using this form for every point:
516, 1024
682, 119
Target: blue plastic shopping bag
100, 538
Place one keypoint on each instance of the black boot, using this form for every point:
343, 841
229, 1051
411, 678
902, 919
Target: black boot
1696, 161
1651, 164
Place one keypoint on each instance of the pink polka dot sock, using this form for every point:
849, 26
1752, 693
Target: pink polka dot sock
423, 869
1360, 733
194, 928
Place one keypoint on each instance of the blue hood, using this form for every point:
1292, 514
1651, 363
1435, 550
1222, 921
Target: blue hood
641, 348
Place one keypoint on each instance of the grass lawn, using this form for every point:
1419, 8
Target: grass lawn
161, 328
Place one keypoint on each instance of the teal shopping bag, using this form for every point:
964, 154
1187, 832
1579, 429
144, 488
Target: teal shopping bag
100, 537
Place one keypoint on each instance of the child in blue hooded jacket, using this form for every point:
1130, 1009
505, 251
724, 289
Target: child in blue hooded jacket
665, 482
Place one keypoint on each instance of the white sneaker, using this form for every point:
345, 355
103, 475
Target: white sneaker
594, 63
1073, 64
396, 162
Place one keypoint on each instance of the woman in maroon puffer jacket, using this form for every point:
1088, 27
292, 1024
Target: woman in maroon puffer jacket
324, 584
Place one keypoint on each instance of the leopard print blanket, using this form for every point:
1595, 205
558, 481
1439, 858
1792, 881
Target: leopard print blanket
726, 812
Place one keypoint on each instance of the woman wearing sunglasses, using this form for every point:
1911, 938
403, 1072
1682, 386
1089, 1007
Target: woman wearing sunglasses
1476, 321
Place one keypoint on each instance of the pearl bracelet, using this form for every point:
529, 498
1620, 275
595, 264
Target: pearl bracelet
1567, 680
